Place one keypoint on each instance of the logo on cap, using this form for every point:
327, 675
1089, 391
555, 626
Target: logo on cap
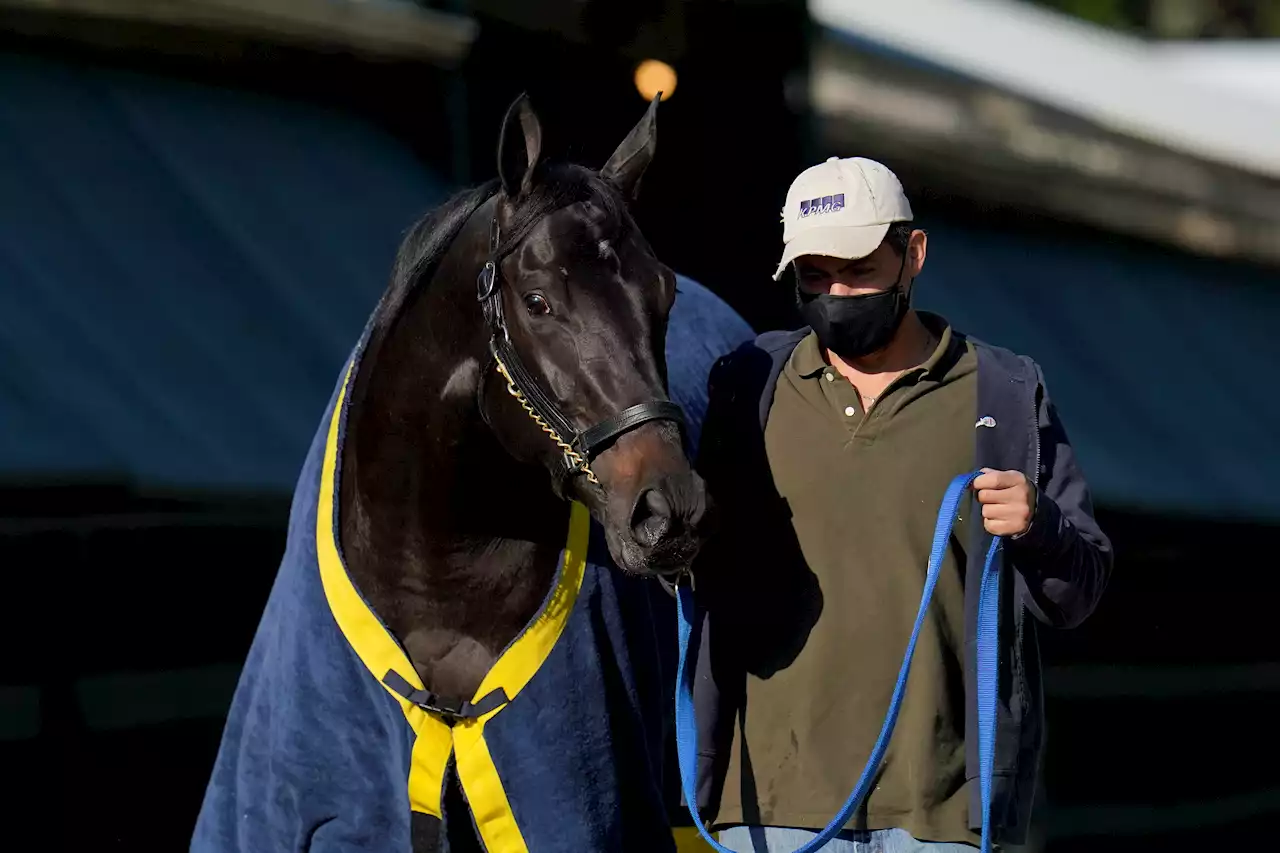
826, 204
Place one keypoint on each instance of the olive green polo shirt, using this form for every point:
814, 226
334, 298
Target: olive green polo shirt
864, 490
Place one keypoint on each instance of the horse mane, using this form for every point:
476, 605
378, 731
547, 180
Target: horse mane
556, 185
425, 245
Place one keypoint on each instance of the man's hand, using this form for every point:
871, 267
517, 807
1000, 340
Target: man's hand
1008, 501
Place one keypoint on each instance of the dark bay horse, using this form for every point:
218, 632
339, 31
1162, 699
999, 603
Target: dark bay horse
437, 667
450, 515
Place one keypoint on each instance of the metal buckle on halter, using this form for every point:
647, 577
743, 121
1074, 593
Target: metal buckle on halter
486, 281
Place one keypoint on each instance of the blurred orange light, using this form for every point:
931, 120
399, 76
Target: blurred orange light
654, 76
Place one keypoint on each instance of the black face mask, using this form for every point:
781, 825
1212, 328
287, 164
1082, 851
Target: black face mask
854, 326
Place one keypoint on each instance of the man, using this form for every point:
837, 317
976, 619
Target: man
828, 450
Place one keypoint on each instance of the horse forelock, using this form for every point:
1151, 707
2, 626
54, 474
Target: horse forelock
562, 185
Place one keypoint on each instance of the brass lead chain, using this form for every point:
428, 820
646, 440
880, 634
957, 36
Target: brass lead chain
575, 458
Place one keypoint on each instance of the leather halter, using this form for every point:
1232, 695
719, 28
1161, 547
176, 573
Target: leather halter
578, 447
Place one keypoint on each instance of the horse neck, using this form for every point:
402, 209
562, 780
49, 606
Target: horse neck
453, 542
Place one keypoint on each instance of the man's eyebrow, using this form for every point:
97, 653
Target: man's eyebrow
859, 265
855, 267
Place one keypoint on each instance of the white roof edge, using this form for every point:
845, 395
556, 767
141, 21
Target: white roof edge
1250, 68
1119, 82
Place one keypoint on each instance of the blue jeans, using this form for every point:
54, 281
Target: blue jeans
782, 839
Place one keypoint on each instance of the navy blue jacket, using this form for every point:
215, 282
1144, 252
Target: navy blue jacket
1061, 564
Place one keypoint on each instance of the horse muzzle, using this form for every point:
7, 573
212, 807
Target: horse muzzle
660, 529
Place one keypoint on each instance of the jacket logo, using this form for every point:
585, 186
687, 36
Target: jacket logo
985, 421
826, 204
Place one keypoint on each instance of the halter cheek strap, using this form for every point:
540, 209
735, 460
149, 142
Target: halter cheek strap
578, 447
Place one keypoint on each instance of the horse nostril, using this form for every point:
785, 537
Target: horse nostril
651, 518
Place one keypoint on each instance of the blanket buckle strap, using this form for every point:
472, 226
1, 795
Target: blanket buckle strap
449, 710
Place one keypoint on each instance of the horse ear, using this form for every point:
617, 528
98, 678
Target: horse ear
626, 167
519, 147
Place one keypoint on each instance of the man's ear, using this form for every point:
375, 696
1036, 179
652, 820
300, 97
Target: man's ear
917, 250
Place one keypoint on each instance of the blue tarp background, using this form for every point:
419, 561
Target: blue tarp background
183, 270
1164, 368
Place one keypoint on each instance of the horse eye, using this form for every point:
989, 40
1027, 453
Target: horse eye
537, 304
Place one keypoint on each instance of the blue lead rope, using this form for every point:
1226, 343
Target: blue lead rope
988, 620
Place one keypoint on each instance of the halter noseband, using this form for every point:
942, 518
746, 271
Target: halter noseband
578, 448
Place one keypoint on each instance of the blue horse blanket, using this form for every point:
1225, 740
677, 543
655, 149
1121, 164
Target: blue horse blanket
319, 755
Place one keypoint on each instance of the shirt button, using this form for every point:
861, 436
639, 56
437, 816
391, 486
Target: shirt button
827, 376
850, 411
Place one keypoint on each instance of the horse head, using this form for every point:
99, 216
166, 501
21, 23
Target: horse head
577, 298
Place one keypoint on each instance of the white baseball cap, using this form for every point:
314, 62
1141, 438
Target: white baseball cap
841, 208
